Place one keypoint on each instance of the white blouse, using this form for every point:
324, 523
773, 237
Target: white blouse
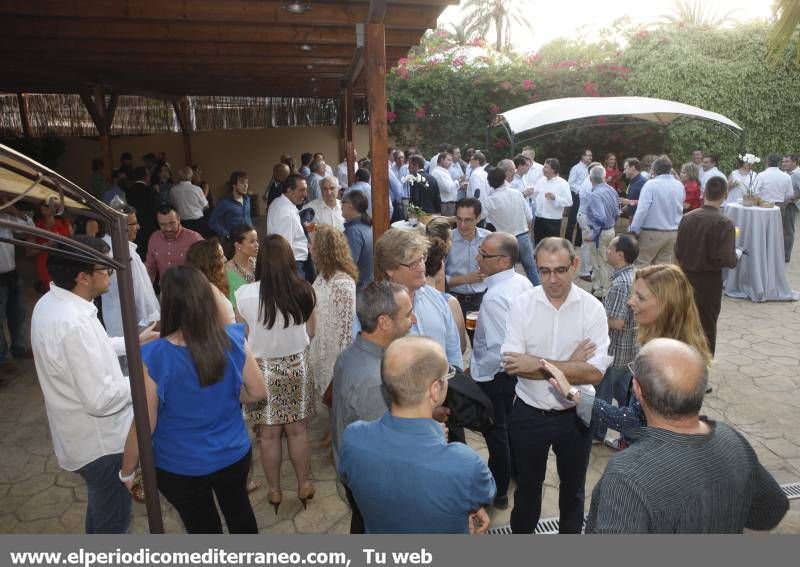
268, 343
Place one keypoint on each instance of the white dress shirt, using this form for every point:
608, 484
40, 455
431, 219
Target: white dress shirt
774, 185
706, 175
7, 253
552, 209
507, 210
146, 303
189, 200
327, 215
283, 218
87, 398
268, 343
535, 173
448, 189
341, 174
541, 330
503, 288
577, 174
479, 180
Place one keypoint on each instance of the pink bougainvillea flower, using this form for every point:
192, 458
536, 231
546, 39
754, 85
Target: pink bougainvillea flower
402, 62
391, 116
500, 143
601, 120
403, 73
590, 88
533, 58
459, 61
421, 112
477, 42
527, 85
494, 109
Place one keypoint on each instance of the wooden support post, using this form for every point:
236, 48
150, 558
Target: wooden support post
349, 148
24, 115
102, 116
375, 74
181, 108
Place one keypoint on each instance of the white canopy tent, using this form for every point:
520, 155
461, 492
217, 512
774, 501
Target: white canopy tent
641, 109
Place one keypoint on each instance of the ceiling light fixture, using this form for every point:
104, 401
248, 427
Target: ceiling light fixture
306, 47
309, 66
297, 7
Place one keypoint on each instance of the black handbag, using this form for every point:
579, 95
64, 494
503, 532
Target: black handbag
469, 407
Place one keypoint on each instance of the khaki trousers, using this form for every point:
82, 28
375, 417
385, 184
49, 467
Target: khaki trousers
601, 271
656, 247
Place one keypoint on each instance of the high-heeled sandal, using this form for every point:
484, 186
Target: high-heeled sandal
306, 493
275, 497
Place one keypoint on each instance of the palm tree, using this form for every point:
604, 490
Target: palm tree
459, 34
695, 14
482, 15
784, 28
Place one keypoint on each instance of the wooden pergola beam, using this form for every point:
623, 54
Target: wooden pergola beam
181, 108
24, 114
400, 15
102, 115
30, 29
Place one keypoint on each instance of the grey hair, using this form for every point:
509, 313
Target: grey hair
597, 174
376, 299
329, 178
506, 244
506, 165
316, 165
664, 399
409, 382
553, 244
186, 173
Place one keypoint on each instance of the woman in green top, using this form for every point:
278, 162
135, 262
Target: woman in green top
241, 268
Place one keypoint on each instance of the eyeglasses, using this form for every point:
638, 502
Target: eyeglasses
484, 255
109, 271
631, 367
416, 263
561, 270
451, 371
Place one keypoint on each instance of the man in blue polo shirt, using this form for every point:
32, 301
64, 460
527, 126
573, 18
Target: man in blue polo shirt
404, 475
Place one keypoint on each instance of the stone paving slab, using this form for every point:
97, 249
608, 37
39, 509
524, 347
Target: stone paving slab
755, 376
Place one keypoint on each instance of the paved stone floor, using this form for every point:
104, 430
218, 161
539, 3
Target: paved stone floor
755, 379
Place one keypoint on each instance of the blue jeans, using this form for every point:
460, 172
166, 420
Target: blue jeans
12, 311
108, 510
532, 433
615, 384
526, 257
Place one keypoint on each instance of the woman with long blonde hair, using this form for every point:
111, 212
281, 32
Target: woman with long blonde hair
335, 289
663, 307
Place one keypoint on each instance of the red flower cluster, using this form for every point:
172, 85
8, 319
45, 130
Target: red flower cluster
590, 89
421, 112
459, 61
527, 85
500, 143
391, 116
494, 109
477, 42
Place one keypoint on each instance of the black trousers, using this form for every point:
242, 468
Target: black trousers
193, 498
501, 391
572, 220
469, 302
543, 228
707, 288
533, 432
356, 519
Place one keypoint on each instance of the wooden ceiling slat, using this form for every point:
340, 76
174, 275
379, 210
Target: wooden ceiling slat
31, 29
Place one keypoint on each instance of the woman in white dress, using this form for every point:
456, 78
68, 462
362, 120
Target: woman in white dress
743, 179
335, 288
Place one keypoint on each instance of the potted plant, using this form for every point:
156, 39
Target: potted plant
414, 214
750, 198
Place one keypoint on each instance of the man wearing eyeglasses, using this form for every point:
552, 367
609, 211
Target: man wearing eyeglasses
167, 247
558, 322
465, 281
497, 255
88, 399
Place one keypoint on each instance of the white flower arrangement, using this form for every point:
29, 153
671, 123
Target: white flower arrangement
749, 158
415, 179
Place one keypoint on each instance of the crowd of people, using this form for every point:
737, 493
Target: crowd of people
405, 341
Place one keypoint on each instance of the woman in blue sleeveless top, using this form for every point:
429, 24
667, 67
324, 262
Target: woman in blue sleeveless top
196, 375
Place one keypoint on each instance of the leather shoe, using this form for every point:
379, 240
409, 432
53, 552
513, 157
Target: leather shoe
500, 502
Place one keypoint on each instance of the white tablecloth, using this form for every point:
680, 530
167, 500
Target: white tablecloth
760, 275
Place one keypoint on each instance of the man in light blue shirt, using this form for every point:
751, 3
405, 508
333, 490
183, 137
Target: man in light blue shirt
400, 257
403, 474
583, 225
496, 257
362, 184
462, 273
658, 215
601, 215
577, 174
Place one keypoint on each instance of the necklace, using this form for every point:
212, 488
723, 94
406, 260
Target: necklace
248, 276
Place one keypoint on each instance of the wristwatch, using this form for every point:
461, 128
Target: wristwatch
572, 392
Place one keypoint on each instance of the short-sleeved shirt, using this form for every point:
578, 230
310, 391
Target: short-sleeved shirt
623, 343
200, 429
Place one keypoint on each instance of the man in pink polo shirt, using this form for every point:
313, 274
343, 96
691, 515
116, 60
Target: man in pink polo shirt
167, 247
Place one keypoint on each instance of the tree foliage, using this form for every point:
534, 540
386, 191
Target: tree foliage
447, 93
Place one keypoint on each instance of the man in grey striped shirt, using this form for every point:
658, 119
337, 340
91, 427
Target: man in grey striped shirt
685, 474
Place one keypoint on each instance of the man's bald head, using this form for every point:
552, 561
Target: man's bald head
505, 243
410, 365
280, 172
672, 377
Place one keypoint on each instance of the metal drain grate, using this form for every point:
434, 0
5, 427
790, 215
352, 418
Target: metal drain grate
791, 490
549, 526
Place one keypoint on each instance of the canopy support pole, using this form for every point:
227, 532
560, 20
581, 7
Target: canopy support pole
375, 73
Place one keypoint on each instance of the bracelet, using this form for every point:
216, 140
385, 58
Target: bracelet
128, 478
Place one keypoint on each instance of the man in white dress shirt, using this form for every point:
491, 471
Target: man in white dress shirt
319, 156
328, 209
790, 216
552, 195
507, 210
189, 200
283, 218
317, 173
341, 170
497, 255
478, 185
578, 173
709, 170
448, 189
775, 185
88, 400
560, 323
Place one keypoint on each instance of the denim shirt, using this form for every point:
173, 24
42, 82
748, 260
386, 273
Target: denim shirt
228, 213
